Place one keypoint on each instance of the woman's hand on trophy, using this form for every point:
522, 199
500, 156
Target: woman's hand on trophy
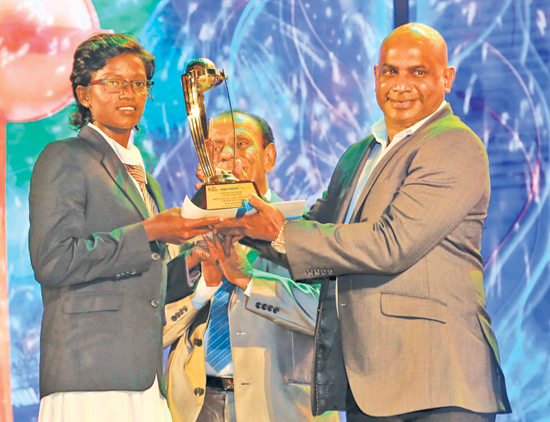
170, 227
264, 224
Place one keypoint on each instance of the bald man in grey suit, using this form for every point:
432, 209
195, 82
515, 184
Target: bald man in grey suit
402, 331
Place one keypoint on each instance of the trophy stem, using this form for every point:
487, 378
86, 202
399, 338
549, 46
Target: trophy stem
200, 147
233, 121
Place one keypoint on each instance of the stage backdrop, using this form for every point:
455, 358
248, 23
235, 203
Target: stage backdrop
307, 67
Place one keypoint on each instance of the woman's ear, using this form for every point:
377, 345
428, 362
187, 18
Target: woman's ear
82, 93
270, 156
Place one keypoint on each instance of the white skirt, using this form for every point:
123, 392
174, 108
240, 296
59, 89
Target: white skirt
105, 406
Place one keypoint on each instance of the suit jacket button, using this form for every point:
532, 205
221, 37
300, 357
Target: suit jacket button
155, 303
197, 342
276, 310
264, 306
270, 308
258, 305
199, 392
174, 318
183, 310
155, 256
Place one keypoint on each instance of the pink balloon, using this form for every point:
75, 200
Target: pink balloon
37, 43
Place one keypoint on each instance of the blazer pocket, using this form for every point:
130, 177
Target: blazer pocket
408, 306
78, 304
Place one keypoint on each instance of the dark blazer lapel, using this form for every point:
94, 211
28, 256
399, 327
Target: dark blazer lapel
401, 144
374, 175
349, 176
115, 168
155, 191
121, 177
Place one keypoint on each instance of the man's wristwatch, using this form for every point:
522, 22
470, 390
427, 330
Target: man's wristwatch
279, 243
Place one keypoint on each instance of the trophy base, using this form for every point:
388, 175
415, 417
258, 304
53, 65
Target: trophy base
223, 195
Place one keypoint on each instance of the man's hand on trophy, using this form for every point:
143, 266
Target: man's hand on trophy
237, 171
197, 253
170, 227
220, 256
231, 258
264, 224
212, 273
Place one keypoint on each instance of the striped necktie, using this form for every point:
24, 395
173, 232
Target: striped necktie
138, 173
218, 352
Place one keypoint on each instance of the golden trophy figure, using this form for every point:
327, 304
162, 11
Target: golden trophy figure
220, 190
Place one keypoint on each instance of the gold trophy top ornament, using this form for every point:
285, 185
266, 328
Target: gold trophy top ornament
219, 191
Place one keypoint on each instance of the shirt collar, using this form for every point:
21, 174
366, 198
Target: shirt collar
130, 155
380, 131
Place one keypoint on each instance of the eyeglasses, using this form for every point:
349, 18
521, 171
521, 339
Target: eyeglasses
117, 85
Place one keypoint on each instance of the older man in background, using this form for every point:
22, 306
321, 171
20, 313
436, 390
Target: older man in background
242, 348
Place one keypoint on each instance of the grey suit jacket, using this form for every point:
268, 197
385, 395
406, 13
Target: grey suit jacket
272, 350
410, 301
103, 283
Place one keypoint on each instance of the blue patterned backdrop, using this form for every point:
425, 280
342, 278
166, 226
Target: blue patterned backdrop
307, 67
501, 52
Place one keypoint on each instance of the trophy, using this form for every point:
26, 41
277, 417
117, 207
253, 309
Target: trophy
219, 191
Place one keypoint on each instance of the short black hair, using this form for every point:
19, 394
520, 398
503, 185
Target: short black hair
267, 133
92, 55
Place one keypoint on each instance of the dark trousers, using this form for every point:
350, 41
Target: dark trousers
443, 414
218, 406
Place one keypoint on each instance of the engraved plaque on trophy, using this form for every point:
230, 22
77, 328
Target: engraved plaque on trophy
219, 191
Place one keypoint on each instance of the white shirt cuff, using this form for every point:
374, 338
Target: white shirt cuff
248, 290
